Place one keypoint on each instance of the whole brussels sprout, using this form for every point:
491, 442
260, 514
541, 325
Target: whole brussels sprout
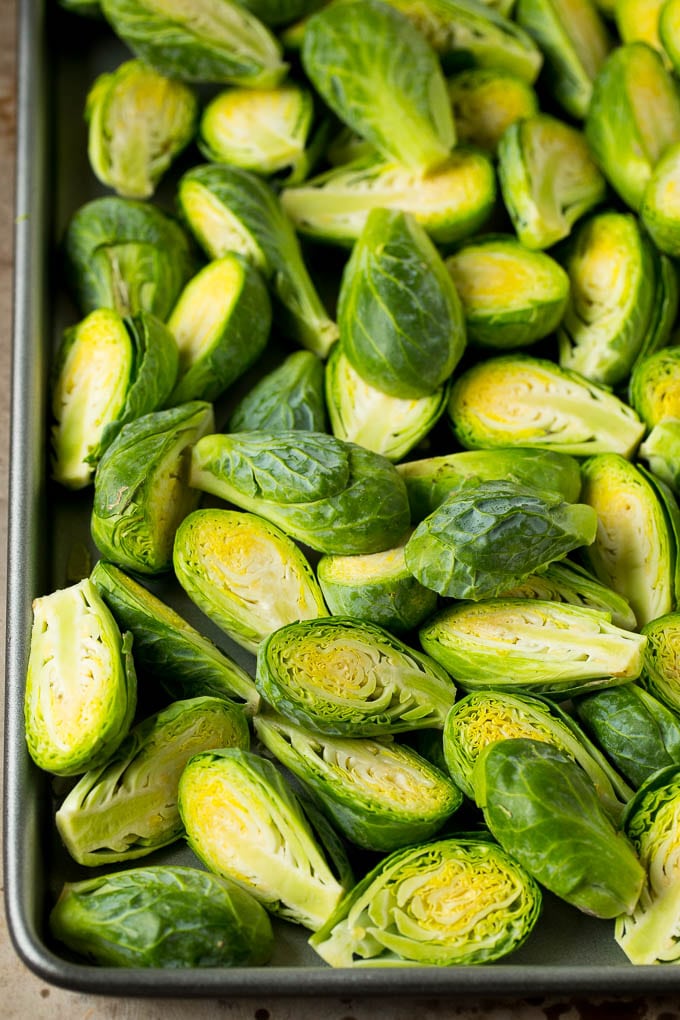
487, 100
290, 396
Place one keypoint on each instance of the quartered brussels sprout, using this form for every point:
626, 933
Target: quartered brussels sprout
661, 674
400, 318
660, 207
127, 255
128, 807
381, 795
451, 202
512, 296
661, 450
548, 178
139, 121
348, 677
634, 115
141, 487
487, 536
81, 686
162, 916
245, 823
186, 663
377, 587
557, 828
416, 908
655, 386
634, 551
575, 41
333, 496
517, 399
290, 396
232, 210
246, 575
487, 100
108, 371
221, 324
382, 78
533, 646
204, 41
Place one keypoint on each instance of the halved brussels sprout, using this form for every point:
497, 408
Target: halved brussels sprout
634, 551
377, 587
659, 207
203, 41
517, 399
382, 78
638, 21
290, 396
634, 115
81, 686
548, 178
487, 100
139, 121
661, 672
162, 916
555, 808
127, 808
488, 536
232, 210
451, 202
448, 902
661, 450
245, 823
108, 371
380, 795
400, 318
127, 255
221, 324
186, 663
655, 386
512, 296
246, 575
333, 496
533, 646
141, 487
349, 677
612, 268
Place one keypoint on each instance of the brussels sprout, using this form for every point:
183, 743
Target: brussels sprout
141, 487
650, 934
574, 39
186, 663
655, 386
533, 646
162, 916
139, 121
611, 267
451, 202
637, 732
230, 209
380, 795
430, 481
400, 318
126, 255
204, 41
246, 575
81, 686
659, 207
377, 587
291, 396
108, 371
634, 115
665, 309
264, 130
488, 536
534, 403
128, 807
512, 296
334, 496
382, 78
348, 677
634, 551
221, 324
661, 450
245, 823
638, 21
668, 26
661, 675
543, 808
487, 100
416, 908
548, 178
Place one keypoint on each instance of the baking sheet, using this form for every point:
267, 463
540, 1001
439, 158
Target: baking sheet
49, 547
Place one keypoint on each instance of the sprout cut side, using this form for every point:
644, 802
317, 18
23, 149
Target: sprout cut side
487, 100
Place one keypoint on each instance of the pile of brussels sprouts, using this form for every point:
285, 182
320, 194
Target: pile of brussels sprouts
391, 391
